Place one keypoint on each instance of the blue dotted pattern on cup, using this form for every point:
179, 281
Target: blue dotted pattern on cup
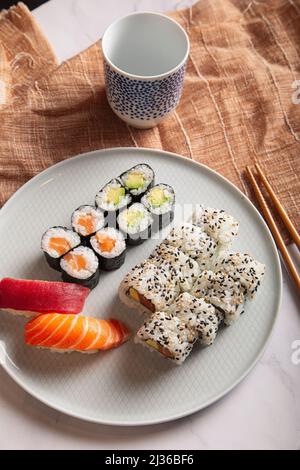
140, 99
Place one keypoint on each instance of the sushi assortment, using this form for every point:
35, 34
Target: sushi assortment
186, 289
127, 210
191, 284
53, 308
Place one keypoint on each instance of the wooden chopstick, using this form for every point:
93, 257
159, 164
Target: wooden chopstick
273, 227
285, 218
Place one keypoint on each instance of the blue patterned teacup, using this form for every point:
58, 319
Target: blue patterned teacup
145, 55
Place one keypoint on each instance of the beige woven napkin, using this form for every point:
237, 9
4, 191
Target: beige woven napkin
237, 107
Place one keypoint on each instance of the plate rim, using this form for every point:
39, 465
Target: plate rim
194, 409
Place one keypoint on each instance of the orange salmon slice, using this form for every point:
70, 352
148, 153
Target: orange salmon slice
60, 245
87, 222
77, 262
106, 243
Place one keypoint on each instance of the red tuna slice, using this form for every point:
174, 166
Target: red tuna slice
22, 296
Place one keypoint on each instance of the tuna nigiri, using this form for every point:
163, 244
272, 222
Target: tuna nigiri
31, 298
66, 333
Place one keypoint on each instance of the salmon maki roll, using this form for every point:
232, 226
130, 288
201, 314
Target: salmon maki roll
56, 242
67, 333
86, 221
81, 266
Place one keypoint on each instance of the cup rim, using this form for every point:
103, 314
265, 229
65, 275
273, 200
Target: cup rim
146, 77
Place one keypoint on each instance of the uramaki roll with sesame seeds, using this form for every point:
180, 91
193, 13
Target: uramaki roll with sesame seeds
167, 335
194, 243
199, 316
185, 268
243, 269
149, 288
218, 224
222, 291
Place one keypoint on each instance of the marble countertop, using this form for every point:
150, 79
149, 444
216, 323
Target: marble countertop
263, 412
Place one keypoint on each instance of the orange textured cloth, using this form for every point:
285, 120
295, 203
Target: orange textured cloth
238, 106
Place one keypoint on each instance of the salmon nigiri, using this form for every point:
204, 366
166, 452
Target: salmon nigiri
66, 333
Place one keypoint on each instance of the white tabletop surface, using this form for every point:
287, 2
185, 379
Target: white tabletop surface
263, 412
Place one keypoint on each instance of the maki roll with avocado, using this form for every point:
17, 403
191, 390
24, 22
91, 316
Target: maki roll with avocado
160, 201
113, 198
87, 220
135, 223
81, 266
110, 247
138, 180
56, 242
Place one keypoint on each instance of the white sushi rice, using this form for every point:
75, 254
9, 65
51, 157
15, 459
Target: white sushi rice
156, 284
194, 243
223, 292
198, 315
115, 235
242, 268
168, 332
185, 267
166, 206
142, 222
91, 260
22, 313
94, 212
59, 232
102, 197
218, 224
66, 351
148, 177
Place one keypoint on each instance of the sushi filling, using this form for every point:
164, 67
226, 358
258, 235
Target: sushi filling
149, 286
113, 196
138, 179
161, 349
86, 220
167, 335
159, 199
108, 242
134, 220
80, 263
57, 241
135, 295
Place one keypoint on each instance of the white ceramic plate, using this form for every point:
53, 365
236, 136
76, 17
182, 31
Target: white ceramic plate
130, 386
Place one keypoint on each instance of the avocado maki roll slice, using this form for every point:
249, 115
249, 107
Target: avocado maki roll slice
138, 180
160, 202
112, 199
135, 223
